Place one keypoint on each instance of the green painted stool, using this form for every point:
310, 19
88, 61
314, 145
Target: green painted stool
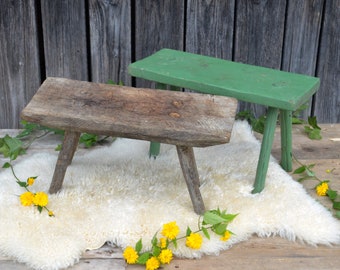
276, 89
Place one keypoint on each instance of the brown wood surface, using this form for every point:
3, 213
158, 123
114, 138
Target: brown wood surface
158, 24
19, 59
164, 116
327, 102
64, 34
110, 34
210, 28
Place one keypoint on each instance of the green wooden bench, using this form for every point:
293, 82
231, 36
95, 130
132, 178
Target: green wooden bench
279, 90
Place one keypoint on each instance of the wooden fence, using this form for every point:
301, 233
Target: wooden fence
95, 40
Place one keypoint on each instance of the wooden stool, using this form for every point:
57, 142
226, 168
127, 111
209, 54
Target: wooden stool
276, 89
186, 120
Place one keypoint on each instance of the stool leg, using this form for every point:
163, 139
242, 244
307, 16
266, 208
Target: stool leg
266, 146
189, 169
286, 140
66, 154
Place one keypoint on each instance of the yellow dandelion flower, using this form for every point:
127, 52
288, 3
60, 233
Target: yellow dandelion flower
50, 213
162, 242
152, 264
165, 256
322, 189
226, 236
40, 199
194, 241
170, 230
130, 255
30, 181
328, 171
26, 198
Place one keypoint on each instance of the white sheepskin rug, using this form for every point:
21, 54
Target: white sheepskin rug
117, 194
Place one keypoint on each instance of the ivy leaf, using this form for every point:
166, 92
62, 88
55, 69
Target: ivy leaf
220, 229
6, 165
337, 214
142, 259
205, 232
300, 170
313, 122
139, 246
332, 194
188, 232
212, 218
22, 184
156, 251
336, 205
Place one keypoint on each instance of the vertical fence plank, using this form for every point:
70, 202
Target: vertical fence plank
110, 39
19, 59
210, 27
302, 34
158, 24
259, 36
64, 30
327, 105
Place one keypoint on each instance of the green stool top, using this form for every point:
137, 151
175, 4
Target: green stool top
211, 75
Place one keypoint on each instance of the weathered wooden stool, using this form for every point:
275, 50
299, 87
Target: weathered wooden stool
186, 120
276, 89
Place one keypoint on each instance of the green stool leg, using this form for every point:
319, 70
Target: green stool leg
266, 146
156, 146
286, 140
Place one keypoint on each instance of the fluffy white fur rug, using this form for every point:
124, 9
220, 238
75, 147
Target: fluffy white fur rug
118, 194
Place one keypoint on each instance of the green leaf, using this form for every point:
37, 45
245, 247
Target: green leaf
337, 214
142, 259
332, 194
13, 147
300, 170
205, 232
315, 134
188, 232
22, 184
154, 240
336, 205
313, 122
139, 245
174, 241
220, 229
212, 218
88, 139
156, 251
39, 208
6, 165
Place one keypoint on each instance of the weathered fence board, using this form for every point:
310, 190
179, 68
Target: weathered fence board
302, 33
327, 103
19, 61
64, 32
210, 27
158, 24
110, 36
256, 42
95, 40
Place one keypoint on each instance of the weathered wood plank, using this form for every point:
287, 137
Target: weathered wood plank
163, 116
158, 24
327, 101
259, 37
301, 42
64, 32
210, 28
110, 39
19, 59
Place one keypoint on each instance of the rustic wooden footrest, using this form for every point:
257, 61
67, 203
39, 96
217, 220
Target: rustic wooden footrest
186, 120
